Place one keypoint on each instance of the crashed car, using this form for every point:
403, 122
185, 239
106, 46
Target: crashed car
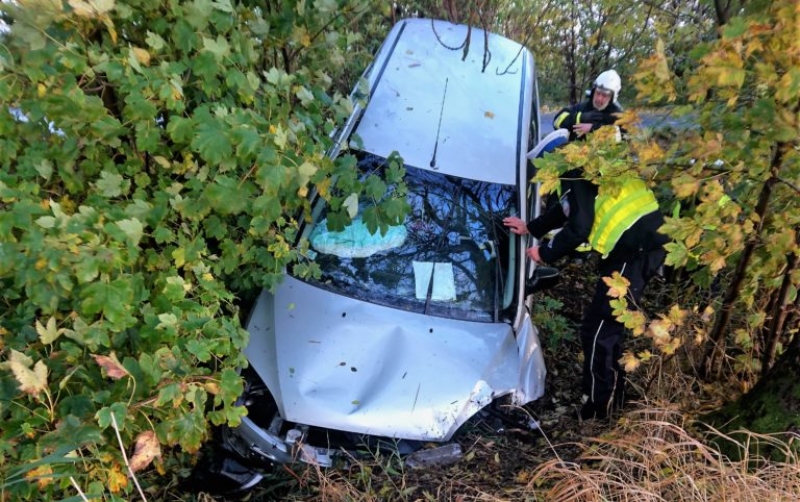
408, 333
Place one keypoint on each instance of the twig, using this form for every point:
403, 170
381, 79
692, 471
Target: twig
80, 492
125, 456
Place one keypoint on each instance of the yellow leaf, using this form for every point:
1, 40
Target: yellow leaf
685, 185
162, 161
147, 449
671, 346
32, 382
323, 187
141, 55
630, 362
179, 255
660, 330
41, 90
117, 479
677, 315
617, 285
651, 153
48, 334
43, 475
111, 364
110, 27
81, 8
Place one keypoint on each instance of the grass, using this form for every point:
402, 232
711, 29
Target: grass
652, 456
649, 454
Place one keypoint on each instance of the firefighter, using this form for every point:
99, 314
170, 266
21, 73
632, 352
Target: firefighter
597, 111
623, 229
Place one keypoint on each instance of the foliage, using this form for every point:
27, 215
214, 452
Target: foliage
737, 173
155, 159
554, 328
734, 220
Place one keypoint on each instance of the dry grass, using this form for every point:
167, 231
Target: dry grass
651, 456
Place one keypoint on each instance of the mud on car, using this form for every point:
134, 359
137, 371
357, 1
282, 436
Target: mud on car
408, 333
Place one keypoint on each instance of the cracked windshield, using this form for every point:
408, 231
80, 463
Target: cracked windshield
449, 258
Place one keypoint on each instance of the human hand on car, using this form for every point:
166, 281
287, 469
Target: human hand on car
533, 254
582, 128
516, 225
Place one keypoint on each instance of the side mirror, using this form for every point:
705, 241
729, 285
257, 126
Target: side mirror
543, 278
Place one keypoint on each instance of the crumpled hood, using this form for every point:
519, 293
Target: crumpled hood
335, 362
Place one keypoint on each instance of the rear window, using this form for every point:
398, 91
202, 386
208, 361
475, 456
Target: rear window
451, 256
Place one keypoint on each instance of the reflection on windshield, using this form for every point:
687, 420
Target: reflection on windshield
449, 258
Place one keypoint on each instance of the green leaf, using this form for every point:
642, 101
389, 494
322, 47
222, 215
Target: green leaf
113, 299
226, 195
375, 187
133, 228
212, 143
200, 349
111, 184
93, 337
190, 430
103, 416
180, 130
155, 41
326, 6
223, 5
734, 28
395, 210
306, 170
248, 142
231, 386
87, 268
46, 221
219, 47
170, 395
304, 95
175, 289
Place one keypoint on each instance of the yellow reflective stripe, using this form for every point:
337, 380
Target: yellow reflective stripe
618, 221
615, 215
578, 118
560, 119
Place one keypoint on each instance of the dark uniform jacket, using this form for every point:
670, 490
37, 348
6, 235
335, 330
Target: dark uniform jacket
575, 216
585, 113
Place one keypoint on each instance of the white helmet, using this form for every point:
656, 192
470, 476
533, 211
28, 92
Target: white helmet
609, 80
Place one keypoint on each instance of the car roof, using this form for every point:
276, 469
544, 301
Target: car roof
450, 103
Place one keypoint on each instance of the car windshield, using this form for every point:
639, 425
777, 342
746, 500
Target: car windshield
451, 257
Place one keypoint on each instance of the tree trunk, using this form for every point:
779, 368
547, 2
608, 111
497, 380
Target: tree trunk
780, 310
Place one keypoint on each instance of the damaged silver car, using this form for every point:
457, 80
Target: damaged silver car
409, 333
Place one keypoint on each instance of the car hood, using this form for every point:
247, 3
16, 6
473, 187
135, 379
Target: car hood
340, 363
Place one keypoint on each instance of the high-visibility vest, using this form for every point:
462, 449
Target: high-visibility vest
613, 215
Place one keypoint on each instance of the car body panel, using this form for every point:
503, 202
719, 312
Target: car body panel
447, 112
344, 364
